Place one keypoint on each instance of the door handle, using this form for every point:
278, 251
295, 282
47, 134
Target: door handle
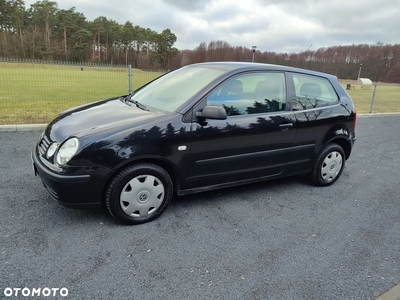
286, 126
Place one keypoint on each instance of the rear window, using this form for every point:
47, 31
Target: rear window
312, 92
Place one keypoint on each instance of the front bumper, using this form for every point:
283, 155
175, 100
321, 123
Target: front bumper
75, 191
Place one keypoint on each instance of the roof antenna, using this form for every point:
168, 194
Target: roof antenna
299, 56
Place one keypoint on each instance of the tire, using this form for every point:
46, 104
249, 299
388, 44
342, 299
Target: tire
139, 193
328, 165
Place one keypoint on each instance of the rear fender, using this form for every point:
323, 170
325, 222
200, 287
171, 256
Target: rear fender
341, 136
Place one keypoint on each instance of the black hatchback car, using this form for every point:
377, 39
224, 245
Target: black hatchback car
201, 127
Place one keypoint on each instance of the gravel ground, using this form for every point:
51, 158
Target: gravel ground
282, 239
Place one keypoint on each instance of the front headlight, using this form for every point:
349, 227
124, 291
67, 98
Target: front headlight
52, 149
67, 151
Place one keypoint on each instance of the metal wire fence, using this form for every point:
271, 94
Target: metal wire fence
33, 92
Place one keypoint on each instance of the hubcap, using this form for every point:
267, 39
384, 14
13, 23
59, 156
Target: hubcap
142, 196
331, 166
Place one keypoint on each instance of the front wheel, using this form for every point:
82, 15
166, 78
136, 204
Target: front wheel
139, 194
328, 166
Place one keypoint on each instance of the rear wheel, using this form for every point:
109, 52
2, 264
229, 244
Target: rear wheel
139, 194
328, 166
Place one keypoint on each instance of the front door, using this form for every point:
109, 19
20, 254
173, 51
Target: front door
254, 140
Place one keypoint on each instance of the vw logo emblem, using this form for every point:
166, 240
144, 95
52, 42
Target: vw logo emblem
143, 196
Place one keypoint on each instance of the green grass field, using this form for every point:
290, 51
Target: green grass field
387, 98
37, 93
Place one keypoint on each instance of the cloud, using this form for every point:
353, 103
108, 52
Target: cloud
189, 6
279, 26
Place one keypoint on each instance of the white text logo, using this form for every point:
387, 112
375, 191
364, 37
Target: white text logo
43, 292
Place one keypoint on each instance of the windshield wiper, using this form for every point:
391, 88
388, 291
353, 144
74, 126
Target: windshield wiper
138, 104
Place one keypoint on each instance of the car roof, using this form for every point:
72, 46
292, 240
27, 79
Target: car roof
230, 66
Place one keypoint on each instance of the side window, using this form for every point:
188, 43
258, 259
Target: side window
251, 93
312, 92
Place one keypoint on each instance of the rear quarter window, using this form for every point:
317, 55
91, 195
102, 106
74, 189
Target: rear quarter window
312, 92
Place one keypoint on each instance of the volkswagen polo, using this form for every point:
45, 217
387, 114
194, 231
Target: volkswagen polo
202, 127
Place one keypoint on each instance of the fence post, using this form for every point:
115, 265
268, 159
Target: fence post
130, 78
373, 98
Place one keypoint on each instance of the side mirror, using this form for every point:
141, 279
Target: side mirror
212, 112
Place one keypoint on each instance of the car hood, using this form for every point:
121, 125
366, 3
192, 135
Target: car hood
96, 116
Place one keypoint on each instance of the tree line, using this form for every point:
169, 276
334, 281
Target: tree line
45, 32
377, 62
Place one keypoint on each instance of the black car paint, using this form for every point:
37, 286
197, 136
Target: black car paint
198, 154
107, 148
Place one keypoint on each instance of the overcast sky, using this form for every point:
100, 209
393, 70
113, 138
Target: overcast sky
279, 26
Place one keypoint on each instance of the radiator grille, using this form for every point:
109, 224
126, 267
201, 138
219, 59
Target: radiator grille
44, 145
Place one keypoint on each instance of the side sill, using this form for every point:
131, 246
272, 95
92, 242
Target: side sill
238, 183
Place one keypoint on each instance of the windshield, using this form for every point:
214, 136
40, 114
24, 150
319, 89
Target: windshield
172, 90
